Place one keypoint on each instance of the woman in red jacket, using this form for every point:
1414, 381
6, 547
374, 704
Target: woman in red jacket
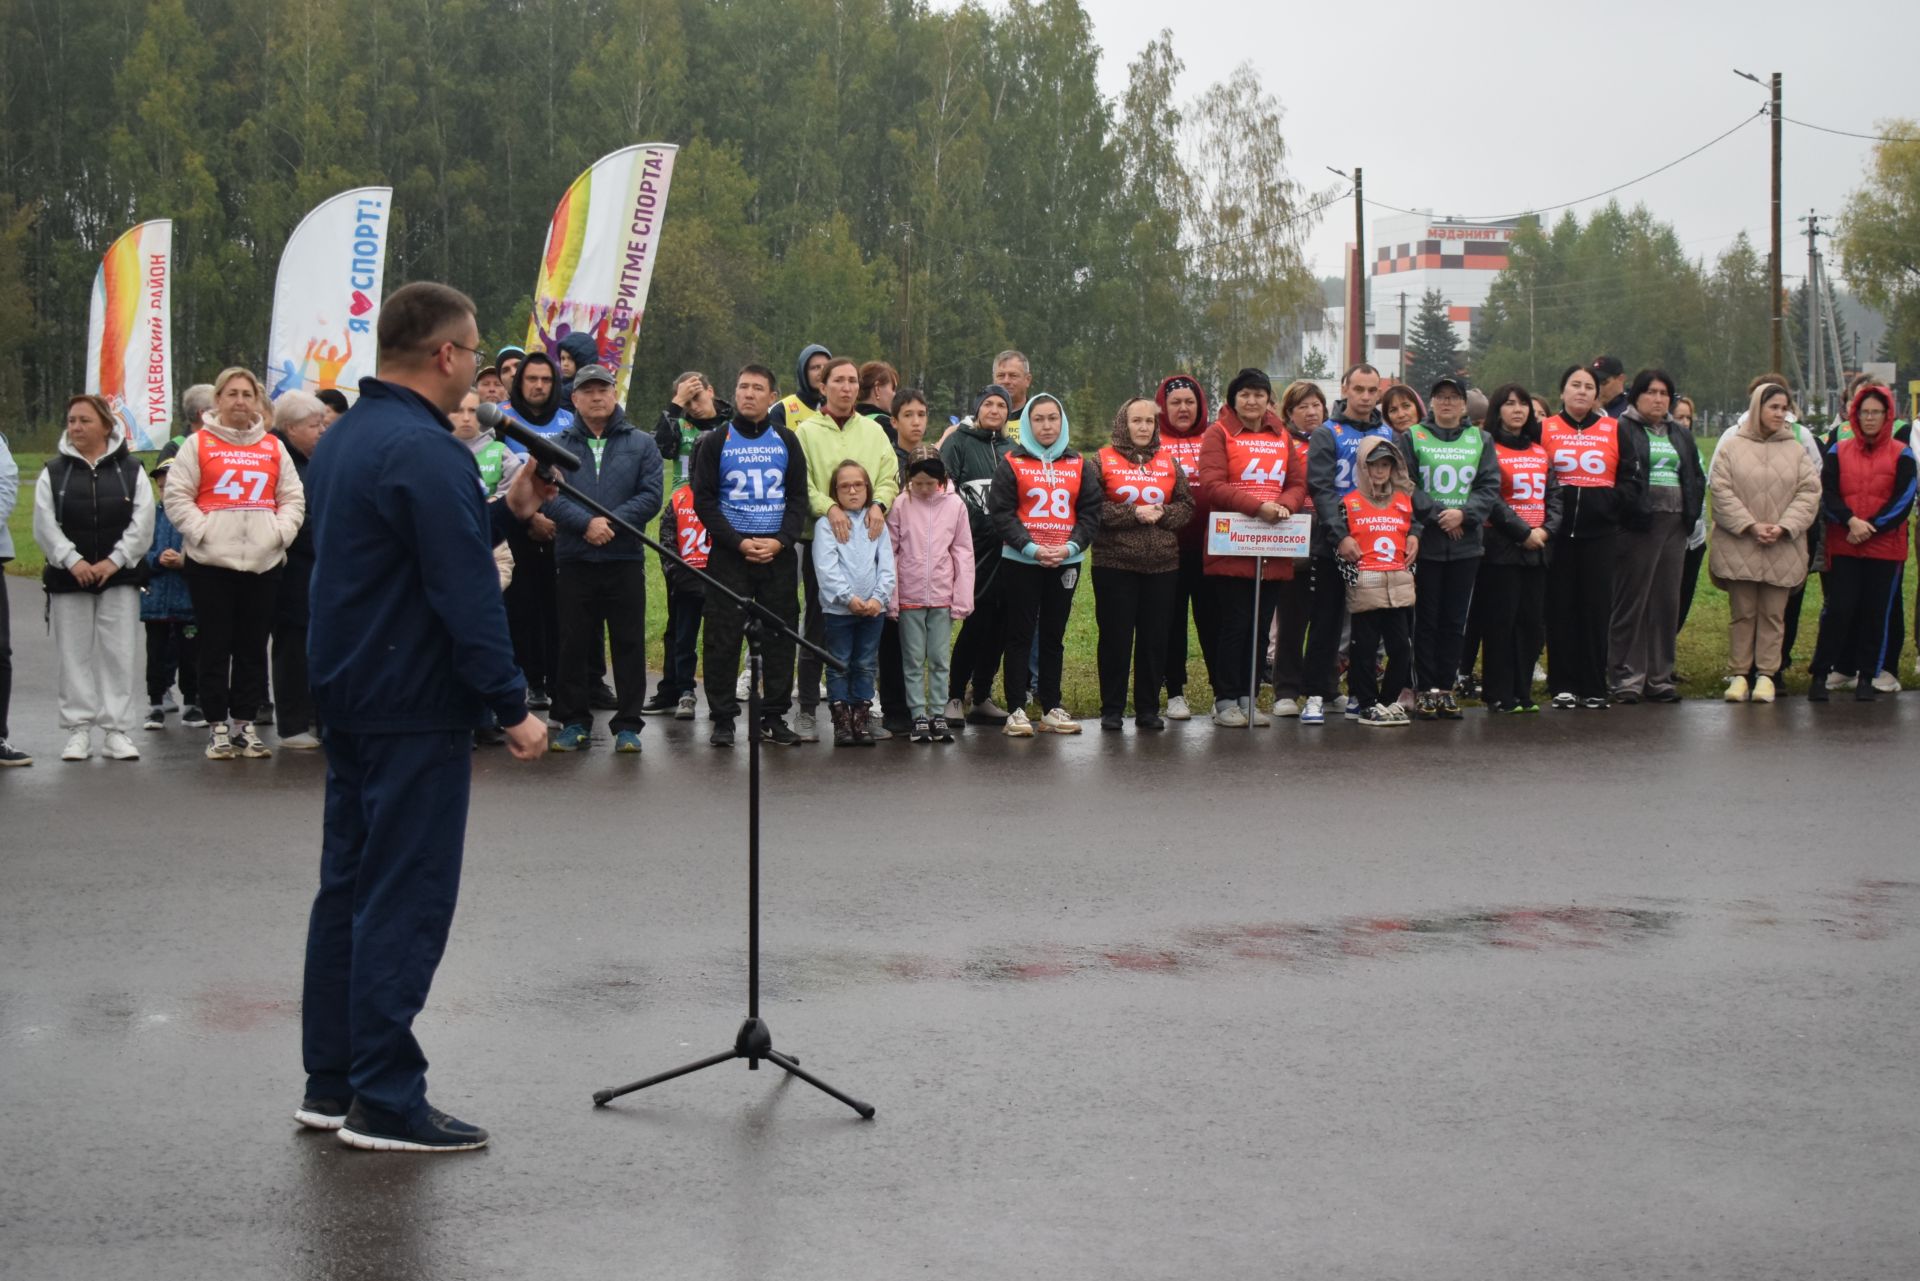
1867, 492
1248, 464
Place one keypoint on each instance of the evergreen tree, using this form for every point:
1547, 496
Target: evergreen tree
1433, 348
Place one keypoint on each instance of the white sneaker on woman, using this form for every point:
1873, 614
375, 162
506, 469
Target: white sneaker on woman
1058, 722
79, 745
1017, 725
119, 747
1887, 683
1177, 709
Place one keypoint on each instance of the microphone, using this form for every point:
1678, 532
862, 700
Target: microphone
542, 449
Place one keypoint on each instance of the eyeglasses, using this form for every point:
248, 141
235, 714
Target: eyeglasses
480, 354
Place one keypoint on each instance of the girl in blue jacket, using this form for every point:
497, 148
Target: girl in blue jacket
856, 582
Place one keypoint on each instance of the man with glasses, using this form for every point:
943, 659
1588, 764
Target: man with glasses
408, 652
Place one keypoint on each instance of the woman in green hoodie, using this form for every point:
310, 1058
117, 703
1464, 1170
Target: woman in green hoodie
1045, 504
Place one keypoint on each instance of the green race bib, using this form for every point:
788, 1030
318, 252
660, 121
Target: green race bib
1447, 467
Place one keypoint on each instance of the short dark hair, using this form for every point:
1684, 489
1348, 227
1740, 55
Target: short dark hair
333, 398
1361, 368
1644, 381
773, 384
415, 314
1400, 391
1571, 370
1498, 401
907, 396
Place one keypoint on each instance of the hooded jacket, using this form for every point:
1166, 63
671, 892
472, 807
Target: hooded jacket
1635, 448
1123, 543
90, 511
1004, 498
1861, 476
932, 554
252, 541
704, 479
1394, 588
1222, 489
549, 419
625, 479
1185, 446
1482, 491
828, 444
972, 457
1331, 470
1506, 530
791, 410
1761, 478
585, 351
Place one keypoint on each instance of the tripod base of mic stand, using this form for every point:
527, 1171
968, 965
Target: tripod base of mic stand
755, 1042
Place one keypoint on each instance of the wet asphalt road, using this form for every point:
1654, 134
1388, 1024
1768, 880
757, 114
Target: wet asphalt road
1627, 994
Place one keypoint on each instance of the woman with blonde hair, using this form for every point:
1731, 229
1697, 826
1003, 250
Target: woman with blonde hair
1766, 496
235, 496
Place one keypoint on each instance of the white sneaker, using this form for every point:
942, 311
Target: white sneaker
303, 742
955, 713
683, 710
248, 743
743, 687
119, 747
1838, 680
1259, 718
1314, 713
1018, 726
1397, 714
1230, 716
1177, 709
79, 745
1058, 722
1284, 707
806, 728
1887, 683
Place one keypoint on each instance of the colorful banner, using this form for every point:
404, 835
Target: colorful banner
130, 333
599, 256
326, 298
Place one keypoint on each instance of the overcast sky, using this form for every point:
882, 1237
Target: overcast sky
1500, 106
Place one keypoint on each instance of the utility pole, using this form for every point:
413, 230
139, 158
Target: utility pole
1360, 253
1779, 300
1403, 336
1816, 379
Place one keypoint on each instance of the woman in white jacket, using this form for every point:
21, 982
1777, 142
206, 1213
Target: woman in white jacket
93, 519
236, 498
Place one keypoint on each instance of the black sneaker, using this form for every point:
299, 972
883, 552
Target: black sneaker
1449, 709
722, 735
1112, 720
372, 1130
537, 700
1149, 722
602, 698
11, 755
663, 700
1426, 705
779, 733
922, 730
193, 717
940, 730
321, 1114
1594, 703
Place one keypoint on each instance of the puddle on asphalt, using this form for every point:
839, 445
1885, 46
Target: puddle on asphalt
1871, 910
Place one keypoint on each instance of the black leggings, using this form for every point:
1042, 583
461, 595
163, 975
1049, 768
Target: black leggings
1131, 612
1580, 614
1512, 602
234, 612
1862, 599
1037, 596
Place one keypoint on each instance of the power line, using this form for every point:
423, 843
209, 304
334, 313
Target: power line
1565, 204
1848, 133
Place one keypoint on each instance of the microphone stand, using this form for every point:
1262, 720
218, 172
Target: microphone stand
754, 1041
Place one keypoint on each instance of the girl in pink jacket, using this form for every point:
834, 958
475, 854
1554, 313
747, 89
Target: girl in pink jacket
933, 569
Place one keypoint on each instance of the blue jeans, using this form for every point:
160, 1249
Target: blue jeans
855, 641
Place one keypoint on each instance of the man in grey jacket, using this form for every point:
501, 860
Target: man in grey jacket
601, 577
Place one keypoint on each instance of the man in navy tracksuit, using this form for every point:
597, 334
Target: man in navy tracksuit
408, 650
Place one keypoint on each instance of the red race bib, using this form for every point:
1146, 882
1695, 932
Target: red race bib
691, 538
1145, 486
1257, 462
238, 477
1523, 481
1185, 451
1380, 531
1048, 497
1584, 459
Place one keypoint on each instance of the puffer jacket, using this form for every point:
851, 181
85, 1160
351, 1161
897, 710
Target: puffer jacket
1388, 589
101, 509
932, 554
1123, 542
165, 597
1761, 479
250, 541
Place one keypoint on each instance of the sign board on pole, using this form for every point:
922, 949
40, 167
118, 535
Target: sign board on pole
1236, 534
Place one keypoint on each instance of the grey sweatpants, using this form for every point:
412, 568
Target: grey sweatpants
1646, 607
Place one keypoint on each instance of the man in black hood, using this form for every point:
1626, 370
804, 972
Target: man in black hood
809, 369
577, 350
532, 603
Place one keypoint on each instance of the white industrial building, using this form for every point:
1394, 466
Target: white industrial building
1408, 255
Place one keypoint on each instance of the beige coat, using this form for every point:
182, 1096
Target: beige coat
1764, 480
252, 542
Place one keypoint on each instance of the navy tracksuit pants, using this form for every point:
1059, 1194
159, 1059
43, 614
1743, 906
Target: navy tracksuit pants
395, 825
